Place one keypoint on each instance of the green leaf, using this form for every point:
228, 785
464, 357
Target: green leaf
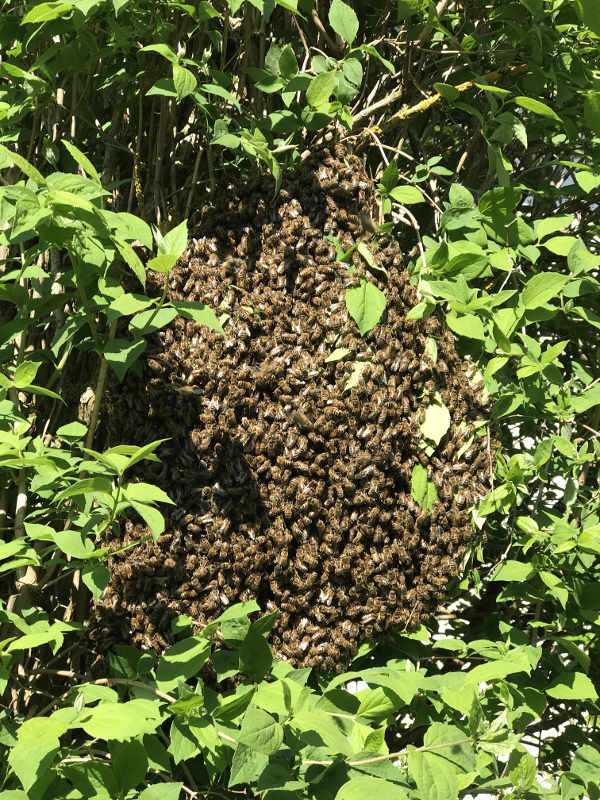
181, 661
121, 721
74, 543
591, 17
447, 91
121, 354
407, 195
589, 398
591, 111
572, 686
151, 516
436, 422
367, 786
537, 107
320, 89
25, 373
511, 570
343, 20
82, 160
586, 764
184, 81
129, 763
542, 288
523, 774
199, 313
96, 578
435, 777
467, 325
92, 486
544, 227
131, 258
423, 491
163, 49
338, 355
182, 744
366, 304
146, 493
260, 731
72, 432
127, 304
162, 791
247, 765
588, 181
19, 161
36, 749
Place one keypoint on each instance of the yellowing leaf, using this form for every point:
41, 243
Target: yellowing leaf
436, 423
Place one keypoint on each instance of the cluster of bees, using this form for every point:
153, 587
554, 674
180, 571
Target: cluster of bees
289, 487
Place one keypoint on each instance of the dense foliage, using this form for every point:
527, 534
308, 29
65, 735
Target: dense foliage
480, 125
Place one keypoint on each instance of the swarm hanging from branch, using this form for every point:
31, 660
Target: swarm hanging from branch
291, 484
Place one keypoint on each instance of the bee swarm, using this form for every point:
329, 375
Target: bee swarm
289, 488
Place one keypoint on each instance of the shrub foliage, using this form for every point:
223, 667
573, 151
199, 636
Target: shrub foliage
479, 125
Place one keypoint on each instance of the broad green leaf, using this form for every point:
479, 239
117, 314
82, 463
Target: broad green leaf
588, 399
358, 367
181, 661
36, 749
544, 227
407, 195
121, 354
320, 89
338, 355
44, 12
129, 763
199, 313
343, 20
102, 487
146, 493
74, 543
511, 570
588, 181
541, 288
467, 325
436, 422
361, 787
366, 304
591, 16
121, 721
531, 104
184, 81
131, 258
73, 431
175, 241
560, 245
423, 491
591, 111
435, 777
162, 49
523, 774
318, 728
572, 686
25, 373
247, 765
130, 304
586, 764
261, 732
162, 791
151, 516
96, 577
182, 744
